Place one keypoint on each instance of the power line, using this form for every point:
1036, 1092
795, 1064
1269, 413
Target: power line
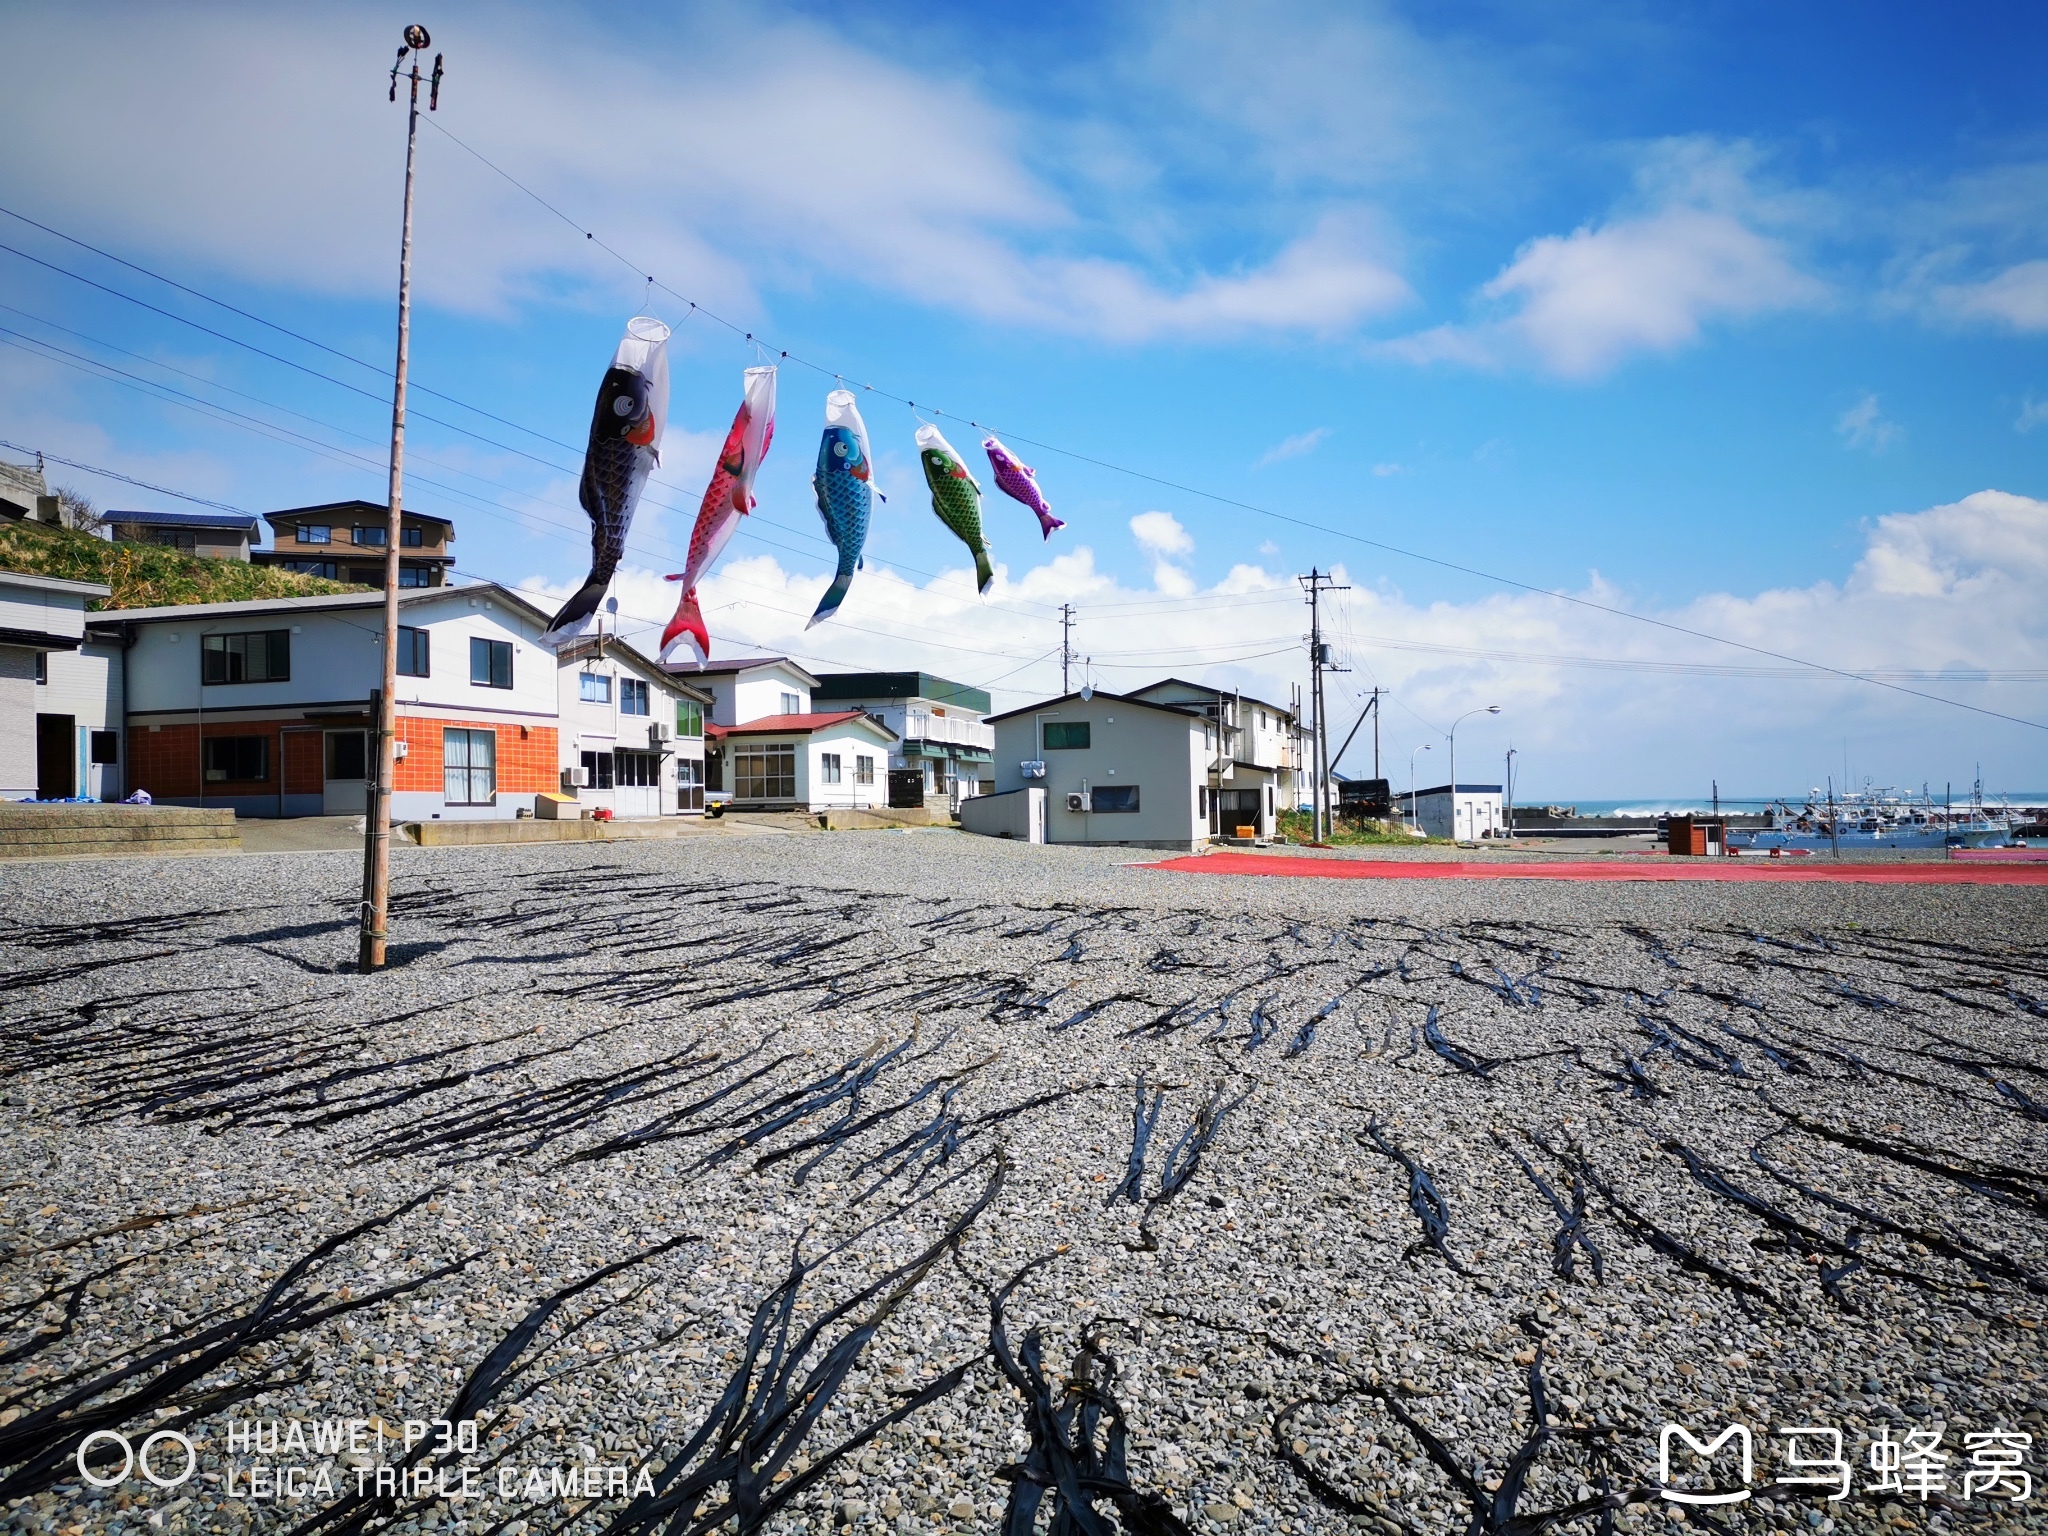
94, 469
1229, 501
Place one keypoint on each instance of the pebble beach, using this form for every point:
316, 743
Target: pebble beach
917, 1182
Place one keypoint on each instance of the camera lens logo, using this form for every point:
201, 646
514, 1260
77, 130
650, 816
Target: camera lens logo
137, 1460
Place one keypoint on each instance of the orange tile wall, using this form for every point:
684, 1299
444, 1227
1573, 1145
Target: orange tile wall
166, 761
529, 757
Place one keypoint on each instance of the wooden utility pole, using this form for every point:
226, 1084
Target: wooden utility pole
377, 823
1066, 642
1315, 583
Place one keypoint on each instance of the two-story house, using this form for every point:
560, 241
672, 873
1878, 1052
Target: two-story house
1114, 768
1259, 765
60, 692
345, 541
265, 706
942, 727
632, 733
769, 747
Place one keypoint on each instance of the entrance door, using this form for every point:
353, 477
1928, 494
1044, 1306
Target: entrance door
56, 757
345, 789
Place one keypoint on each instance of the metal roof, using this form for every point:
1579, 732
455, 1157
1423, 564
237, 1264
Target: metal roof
185, 520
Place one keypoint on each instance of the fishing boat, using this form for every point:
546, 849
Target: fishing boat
1879, 818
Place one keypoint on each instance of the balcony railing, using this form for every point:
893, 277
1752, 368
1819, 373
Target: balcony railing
923, 725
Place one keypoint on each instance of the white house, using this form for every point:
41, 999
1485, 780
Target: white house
769, 747
265, 706
941, 726
60, 693
1116, 769
1472, 813
632, 733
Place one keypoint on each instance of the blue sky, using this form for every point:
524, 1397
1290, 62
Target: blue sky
1729, 316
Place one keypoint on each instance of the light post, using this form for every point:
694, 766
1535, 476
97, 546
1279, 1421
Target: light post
1413, 820
1489, 709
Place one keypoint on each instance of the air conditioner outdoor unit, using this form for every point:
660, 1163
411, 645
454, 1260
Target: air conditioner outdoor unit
578, 777
657, 733
1077, 800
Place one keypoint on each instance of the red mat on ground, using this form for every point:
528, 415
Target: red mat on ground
1756, 870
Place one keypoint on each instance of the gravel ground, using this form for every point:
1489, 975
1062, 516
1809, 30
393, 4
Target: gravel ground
856, 1180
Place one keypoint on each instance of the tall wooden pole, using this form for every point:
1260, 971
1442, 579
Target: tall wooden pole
377, 824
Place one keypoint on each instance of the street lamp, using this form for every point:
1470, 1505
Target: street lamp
1490, 709
1413, 820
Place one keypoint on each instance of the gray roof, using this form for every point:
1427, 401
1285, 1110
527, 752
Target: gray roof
339, 600
1114, 698
53, 584
240, 522
728, 668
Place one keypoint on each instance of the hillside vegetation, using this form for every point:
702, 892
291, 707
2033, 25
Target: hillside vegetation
146, 576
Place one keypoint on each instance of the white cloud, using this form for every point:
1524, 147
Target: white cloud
722, 151
1161, 533
1648, 279
2033, 413
1385, 470
1951, 590
1863, 426
2016, 297
1295, 447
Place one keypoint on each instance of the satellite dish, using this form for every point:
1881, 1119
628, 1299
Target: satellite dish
1087, 692
611, 605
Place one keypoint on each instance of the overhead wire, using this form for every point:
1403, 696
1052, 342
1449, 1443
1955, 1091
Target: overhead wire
1231, 501
1874, 678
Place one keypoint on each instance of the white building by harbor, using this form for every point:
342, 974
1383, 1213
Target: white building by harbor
1473, 812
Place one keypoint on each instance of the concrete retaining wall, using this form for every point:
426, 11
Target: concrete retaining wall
1016, 813
138, 831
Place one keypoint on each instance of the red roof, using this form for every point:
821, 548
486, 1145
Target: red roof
786, 725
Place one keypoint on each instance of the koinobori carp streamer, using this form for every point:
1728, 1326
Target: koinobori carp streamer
844, 483
956, 498
1018, 481
728, 498
625, 447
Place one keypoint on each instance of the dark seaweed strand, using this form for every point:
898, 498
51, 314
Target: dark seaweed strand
41, 1443
2009, 1186
1647, 1232
775, 1397
486, 1381
1464, 1060
1424, 1200
1078, 1441
1144, 1120
1306, 1036
1571, 1231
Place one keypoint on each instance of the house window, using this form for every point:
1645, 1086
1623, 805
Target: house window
863, 769
597, 770
469, 766
828, 767
490, 663
1202, 800
415, 653
415, 576
764, 773
689, 718
374, 537
104, 747
237, 759
1262, 719
42, 667
315, 533
632, 696
348, 755
1066, 735
594, 688
264, 656
413, 538
792, 704
325, 568
1113, 798
637, 770
185, 542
